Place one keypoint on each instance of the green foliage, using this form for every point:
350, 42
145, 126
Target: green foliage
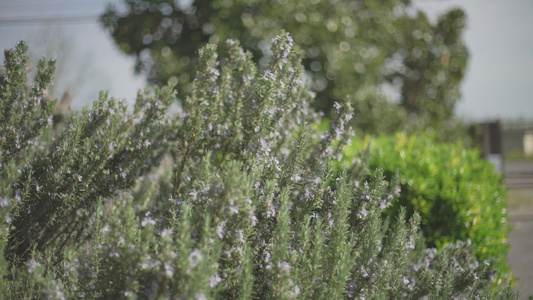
230, 196
458, 195
351, 49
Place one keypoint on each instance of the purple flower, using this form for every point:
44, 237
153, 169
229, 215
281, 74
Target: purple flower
169, 270
166, 233
221, 230
147, 221
362, 213
195, 257
252, 216
32, 265
411, 242
233, 208
285, 267
296, 290
106, 229
200, 296
3, 202
214, 280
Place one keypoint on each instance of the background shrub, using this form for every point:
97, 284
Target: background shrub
456, 192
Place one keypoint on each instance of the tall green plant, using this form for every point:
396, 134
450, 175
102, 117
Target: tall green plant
100, 152
230, 197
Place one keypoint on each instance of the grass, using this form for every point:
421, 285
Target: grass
520, 200
517, 154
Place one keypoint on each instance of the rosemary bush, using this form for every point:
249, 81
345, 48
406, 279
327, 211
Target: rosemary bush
232, 196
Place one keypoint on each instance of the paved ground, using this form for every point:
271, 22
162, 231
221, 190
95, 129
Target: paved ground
519, 174
521, 252
519, 179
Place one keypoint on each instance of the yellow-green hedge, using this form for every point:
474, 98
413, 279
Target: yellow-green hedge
456, 192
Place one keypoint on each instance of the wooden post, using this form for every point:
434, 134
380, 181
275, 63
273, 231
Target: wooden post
492, 144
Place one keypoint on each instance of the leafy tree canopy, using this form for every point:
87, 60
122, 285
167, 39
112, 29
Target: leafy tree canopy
352, 50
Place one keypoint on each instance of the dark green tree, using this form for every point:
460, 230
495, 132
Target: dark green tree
352, 49
433, 60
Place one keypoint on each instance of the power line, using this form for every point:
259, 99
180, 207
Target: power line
431, 1
37, 20
25, 4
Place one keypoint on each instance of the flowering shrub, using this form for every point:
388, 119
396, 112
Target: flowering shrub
230, 197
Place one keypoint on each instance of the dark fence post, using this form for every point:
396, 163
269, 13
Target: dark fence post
492, 144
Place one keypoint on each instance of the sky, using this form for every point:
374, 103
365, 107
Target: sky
499, 36
98, 62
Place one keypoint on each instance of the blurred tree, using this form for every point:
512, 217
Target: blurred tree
433, 61
352, 50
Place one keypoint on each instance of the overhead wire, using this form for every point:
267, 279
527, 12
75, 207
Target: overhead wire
23, 17
72, 19
36, 20
24, 4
